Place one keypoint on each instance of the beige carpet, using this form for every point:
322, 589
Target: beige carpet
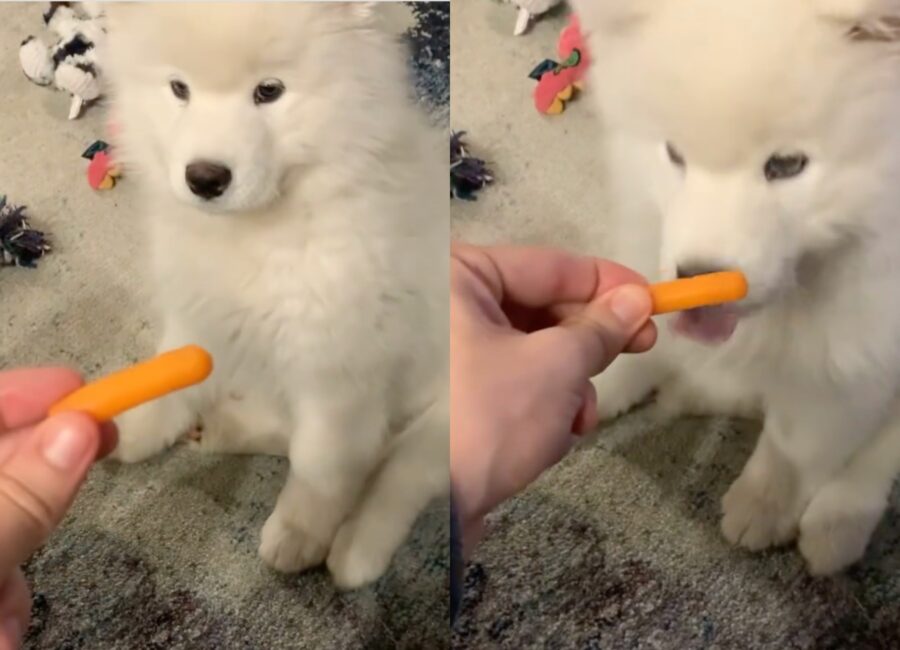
161, 555
619, 546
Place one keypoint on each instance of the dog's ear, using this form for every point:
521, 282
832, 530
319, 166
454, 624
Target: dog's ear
612, 15
864, 20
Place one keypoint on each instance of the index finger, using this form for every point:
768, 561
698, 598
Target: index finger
27, 393
540, 277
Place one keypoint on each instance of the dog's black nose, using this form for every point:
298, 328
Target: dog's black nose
207, 180
691, 269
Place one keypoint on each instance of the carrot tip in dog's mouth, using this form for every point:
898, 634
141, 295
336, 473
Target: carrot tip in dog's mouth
709, 325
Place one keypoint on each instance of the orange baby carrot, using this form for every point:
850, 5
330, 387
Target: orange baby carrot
106, 398
698, 291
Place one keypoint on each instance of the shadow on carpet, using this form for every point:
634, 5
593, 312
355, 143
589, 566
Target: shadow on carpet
619, 547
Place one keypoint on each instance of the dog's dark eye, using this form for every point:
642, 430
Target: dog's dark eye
779, 167
674, 155
180, 89
268, 91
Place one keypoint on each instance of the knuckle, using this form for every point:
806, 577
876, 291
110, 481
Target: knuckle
604, 336
598, 343
570, 348
612, 337
36, 513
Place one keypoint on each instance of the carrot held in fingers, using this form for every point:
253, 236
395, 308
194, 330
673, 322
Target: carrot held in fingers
114, 394
698, 291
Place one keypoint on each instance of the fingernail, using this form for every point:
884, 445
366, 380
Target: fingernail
630, 304
13, 631
65, 446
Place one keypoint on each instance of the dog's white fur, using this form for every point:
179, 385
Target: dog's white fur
318, 281
817, 348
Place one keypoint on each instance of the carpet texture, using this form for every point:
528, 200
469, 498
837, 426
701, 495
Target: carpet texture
163, 554
429, 40
619, 547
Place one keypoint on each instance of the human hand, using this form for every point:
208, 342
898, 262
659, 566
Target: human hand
528, 329
42, 465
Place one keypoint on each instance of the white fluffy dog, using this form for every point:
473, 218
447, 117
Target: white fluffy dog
762, 135
298, 224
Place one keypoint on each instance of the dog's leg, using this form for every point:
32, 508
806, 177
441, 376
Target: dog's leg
415, 472
628, 381
155, 426
243, 424
840, 519
717, 395
761, 508
332, 453
298, 533
804, 443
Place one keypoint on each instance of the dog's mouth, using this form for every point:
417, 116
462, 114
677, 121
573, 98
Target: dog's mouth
708, 325
716, 324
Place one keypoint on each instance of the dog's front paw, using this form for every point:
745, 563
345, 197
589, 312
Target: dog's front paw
675, 399
760, 509
678, 398
150, 429
355, 560
837, 526
289, 549
624, 385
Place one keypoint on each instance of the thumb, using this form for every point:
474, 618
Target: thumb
38, 483
604, 328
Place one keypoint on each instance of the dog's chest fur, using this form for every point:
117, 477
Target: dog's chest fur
281, 302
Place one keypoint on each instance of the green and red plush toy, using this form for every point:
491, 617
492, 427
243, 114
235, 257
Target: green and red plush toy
558, 82
102, 171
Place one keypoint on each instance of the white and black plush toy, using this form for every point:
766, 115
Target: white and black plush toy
70, 63
529, 10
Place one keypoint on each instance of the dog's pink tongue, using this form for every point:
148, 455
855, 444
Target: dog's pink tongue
709, 325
